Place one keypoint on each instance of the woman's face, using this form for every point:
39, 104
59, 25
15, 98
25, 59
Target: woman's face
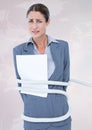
37, 24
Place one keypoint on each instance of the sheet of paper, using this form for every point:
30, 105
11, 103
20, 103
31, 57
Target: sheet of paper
33, 67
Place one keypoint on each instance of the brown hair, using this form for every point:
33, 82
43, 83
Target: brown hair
41, 8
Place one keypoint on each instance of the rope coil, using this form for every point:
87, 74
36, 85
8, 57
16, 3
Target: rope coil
27, 90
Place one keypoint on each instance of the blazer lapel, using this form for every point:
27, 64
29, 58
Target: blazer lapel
55, 51
28, 49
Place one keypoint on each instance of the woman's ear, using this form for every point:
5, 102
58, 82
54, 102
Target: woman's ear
48, 22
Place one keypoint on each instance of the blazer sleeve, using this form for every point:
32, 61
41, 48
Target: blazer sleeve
66, 63
16, 52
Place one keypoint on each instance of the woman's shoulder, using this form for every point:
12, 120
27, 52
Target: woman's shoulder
23, 46
19, 48
62, 41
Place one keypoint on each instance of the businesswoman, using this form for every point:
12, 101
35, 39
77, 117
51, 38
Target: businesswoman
52, 112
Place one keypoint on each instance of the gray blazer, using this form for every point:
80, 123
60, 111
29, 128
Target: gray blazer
54, 105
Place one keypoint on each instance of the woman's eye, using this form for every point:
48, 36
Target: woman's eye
30, 21
39, 21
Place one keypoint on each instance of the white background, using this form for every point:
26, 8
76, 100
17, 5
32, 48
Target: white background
71, 20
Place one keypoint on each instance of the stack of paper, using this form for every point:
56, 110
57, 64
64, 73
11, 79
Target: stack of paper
33, 67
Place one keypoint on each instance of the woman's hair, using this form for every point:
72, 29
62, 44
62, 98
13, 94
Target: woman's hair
40, 8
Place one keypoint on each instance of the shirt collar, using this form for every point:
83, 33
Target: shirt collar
50, 40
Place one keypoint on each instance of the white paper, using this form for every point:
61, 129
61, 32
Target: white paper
33, 67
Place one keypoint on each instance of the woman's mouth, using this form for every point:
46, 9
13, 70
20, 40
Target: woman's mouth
35, 32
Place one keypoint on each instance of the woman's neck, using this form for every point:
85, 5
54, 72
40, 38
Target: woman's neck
41, 43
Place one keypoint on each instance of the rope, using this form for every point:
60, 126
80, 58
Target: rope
56, 82
28, 90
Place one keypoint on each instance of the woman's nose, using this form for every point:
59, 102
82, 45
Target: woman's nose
34, 25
